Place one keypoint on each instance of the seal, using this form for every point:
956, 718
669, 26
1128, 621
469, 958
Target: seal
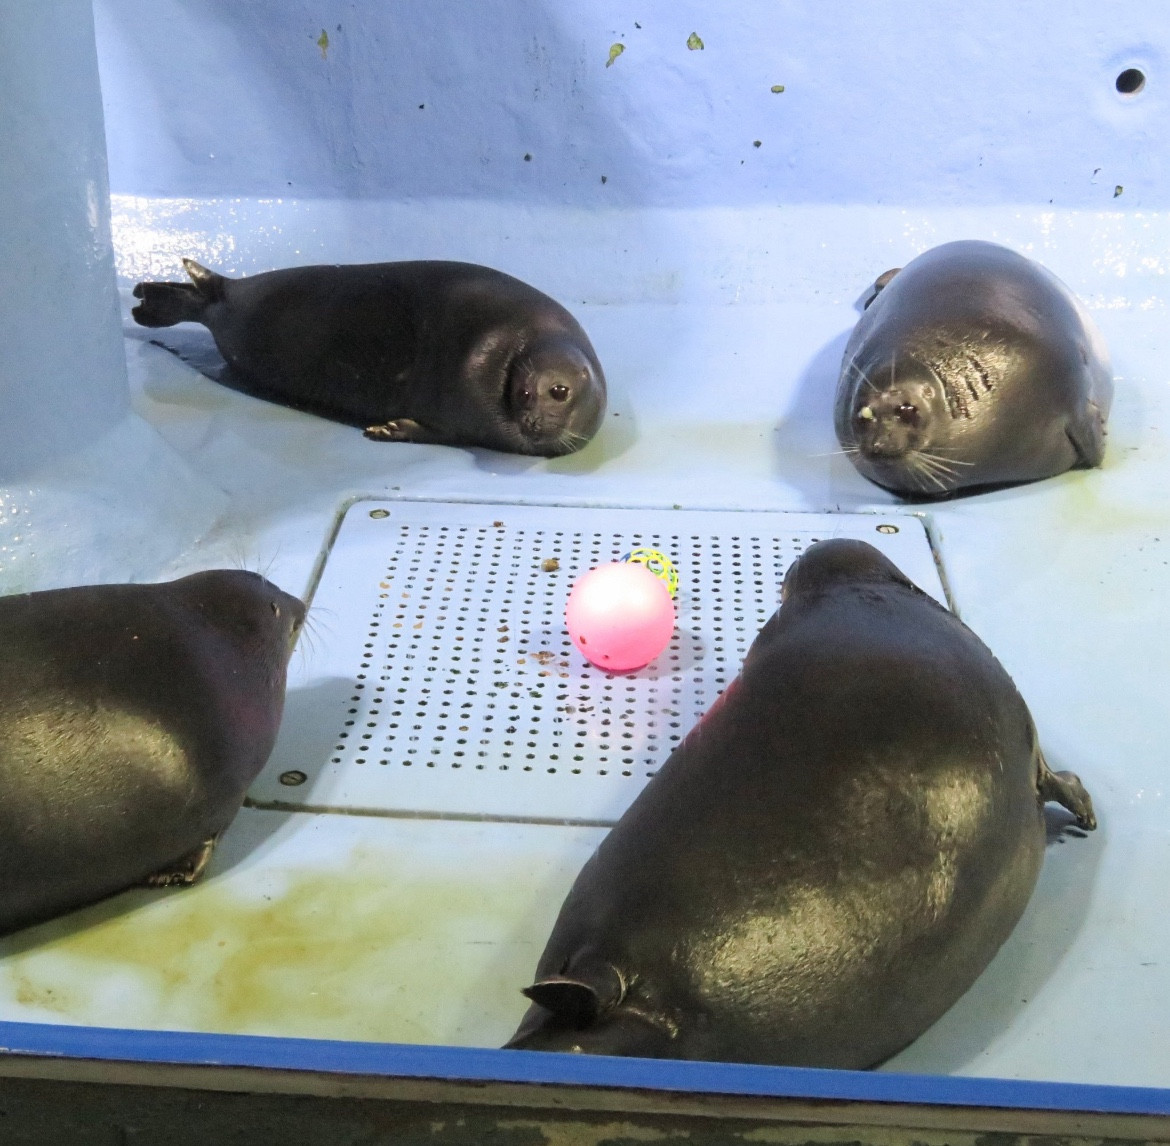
831, 856
438, 352
132, 720
972, 366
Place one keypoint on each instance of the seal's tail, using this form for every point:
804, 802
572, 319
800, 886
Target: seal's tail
164, 304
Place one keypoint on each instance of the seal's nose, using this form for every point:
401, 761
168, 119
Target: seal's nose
884, 447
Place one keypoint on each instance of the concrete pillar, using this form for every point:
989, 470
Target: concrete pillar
62, 365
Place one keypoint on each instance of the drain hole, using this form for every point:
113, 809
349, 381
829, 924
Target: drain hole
1131, 81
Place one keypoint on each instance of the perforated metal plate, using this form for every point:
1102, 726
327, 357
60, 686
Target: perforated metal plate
440, 678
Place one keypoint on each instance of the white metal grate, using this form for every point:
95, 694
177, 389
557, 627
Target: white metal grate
443, 682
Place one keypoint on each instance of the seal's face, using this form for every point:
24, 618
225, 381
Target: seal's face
262, 620
556, 397
893, 429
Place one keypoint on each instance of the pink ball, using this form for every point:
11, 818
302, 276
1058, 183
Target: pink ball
620, 616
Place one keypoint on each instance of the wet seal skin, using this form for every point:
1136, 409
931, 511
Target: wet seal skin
132, 720
438, 352
829, 859
972, 366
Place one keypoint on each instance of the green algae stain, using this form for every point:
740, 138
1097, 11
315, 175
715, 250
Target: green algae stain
30, 994
1091, 503
777, 89
694, 43
323, 44
351, 953
615, 50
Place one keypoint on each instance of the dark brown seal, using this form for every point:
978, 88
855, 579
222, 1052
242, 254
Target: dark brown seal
132, 720
972, 366
828, 860
440, 352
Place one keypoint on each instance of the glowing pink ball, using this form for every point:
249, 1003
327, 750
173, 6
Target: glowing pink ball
620, 616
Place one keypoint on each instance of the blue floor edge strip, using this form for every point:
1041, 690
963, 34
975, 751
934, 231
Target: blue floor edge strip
475, 1065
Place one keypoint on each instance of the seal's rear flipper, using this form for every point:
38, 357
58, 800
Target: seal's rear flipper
880, 284
574, 1004
187, 869
613, 1031
1088, 436
164, 304
1066, 789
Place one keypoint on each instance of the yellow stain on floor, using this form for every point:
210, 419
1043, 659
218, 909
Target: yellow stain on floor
354, 954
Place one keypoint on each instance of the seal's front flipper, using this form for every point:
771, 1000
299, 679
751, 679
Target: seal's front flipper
1066, 789
401, 430
1088, 436
186, 870
880, 284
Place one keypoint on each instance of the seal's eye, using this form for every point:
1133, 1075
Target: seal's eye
908, 414
558, 393
275, 608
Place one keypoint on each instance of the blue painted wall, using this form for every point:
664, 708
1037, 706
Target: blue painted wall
883, 103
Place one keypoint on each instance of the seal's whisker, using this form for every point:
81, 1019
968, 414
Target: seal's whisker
320, 616
572, 439
936, 470
933, 463
852, 365
941, 465
915, 470
949, 461
920, 465
924, 474
942, 485
306, 646
927, 480
938, 481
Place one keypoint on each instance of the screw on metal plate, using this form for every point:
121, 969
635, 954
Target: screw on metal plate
292, 779
887, 529
379, 513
